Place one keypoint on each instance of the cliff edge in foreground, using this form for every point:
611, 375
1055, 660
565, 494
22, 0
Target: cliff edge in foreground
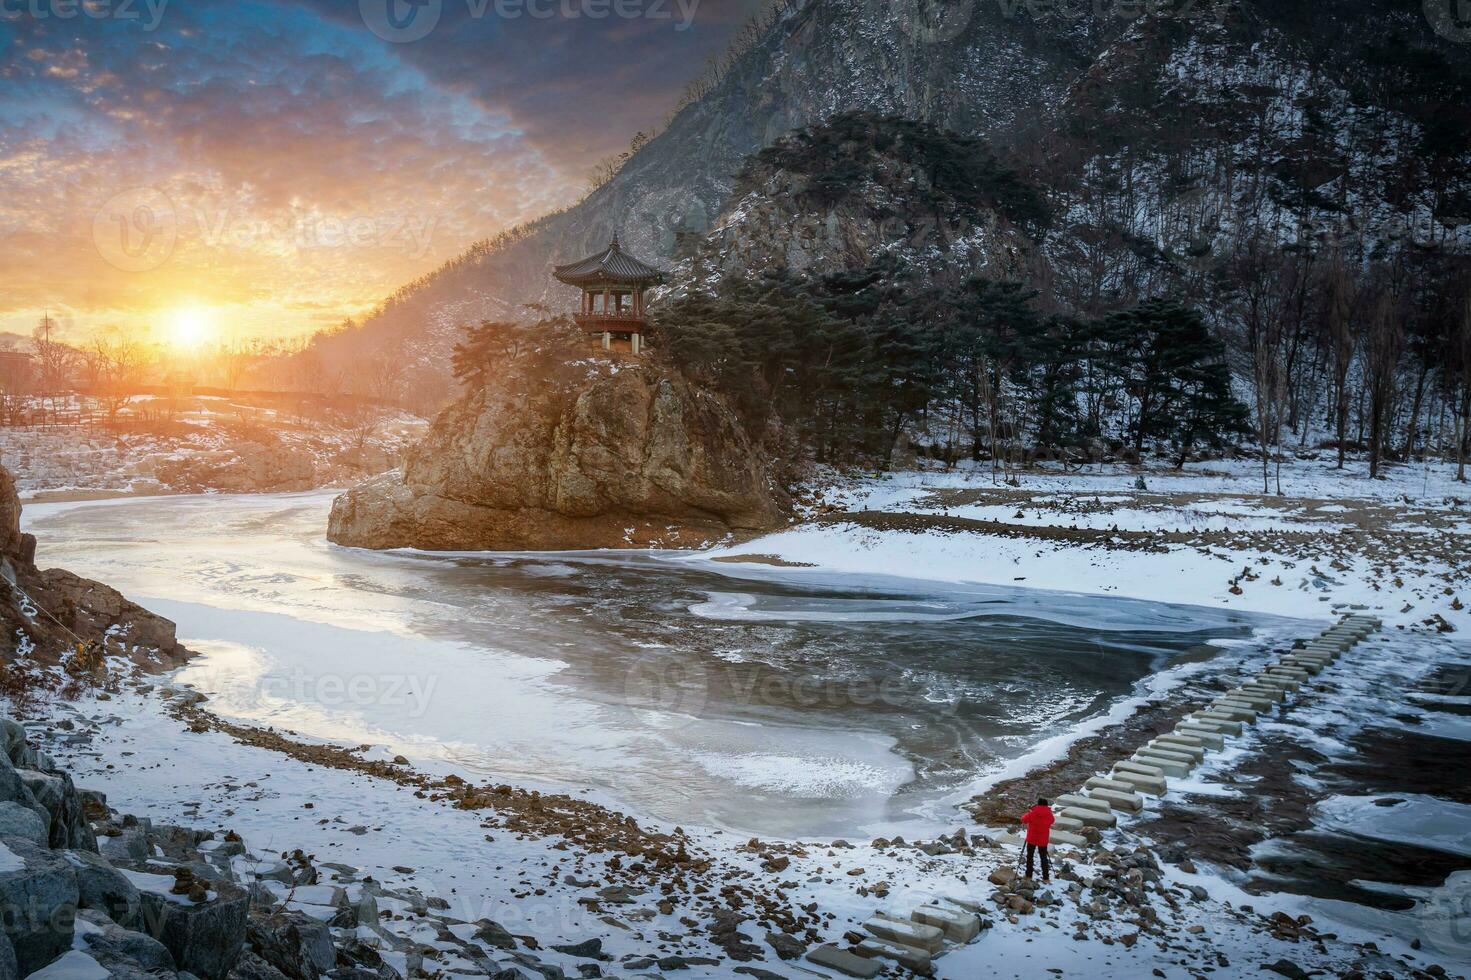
606, 454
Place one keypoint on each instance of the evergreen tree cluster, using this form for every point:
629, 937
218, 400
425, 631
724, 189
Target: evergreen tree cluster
838, 159
848, 366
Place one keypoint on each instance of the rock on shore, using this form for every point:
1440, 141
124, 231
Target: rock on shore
619, 455
47, 611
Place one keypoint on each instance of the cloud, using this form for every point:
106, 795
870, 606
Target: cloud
297, 166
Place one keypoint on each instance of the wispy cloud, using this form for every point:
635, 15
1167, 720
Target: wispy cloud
297, 166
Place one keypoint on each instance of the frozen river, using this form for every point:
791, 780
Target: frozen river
754, 699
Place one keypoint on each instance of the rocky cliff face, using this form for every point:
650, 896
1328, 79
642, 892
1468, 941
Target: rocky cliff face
624, 455
12, 543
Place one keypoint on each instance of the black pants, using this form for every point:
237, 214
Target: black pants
1032, 850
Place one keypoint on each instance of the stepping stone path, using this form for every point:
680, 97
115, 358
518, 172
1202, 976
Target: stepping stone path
930, 929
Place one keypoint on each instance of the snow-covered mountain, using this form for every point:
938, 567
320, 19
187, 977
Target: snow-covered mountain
1161, 141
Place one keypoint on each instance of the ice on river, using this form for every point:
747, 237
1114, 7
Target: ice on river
714, 695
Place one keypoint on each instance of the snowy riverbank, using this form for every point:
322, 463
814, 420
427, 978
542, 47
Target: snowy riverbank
1400, 547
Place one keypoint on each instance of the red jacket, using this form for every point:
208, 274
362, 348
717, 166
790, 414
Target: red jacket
1039, 821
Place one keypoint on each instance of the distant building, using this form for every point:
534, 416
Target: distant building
17, 370
612, 284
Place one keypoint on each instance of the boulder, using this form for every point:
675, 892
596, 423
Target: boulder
129, 845
588, 455
250, 966
205, 937
57, 795
105, 889
14, 735
22, 821
293, 943
38, 901
120, 950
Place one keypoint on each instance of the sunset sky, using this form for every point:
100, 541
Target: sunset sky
265, 169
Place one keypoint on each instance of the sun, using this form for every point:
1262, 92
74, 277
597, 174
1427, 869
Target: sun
190, 328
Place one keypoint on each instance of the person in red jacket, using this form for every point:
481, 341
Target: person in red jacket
1039, 821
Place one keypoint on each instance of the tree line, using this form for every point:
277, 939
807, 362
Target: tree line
847, 367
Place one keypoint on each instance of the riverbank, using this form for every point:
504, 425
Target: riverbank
568, 870
1399, 547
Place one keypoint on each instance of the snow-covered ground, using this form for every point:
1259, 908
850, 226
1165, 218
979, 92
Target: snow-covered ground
146, 761
199, 436
1398, 546
1332, 542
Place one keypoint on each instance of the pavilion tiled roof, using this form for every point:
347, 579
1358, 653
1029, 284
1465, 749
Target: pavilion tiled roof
611, 266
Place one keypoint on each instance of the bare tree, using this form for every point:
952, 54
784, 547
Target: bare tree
1460, 369
118, 360
1338, 321
233, 361
55, 361
1384, 344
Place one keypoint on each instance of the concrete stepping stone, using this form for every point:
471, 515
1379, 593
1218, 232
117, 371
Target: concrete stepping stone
916, 960
846, 963
1220, 721
906, 933
1261, 692
1139, 782
1069, 838
1143, 768
1303, 664
1125, 801
1171, 755
1210, 736
1278, 680
1179, 742
1170, 767
1289, 671
1231, 710
1256, 702
1107, 783
958, 926
1191, 755
1078, 800
1091, 817
962, 902
1070, 824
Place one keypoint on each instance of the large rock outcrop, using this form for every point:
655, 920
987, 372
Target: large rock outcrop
623, 455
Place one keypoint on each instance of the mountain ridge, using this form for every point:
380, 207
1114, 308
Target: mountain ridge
1119, 115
